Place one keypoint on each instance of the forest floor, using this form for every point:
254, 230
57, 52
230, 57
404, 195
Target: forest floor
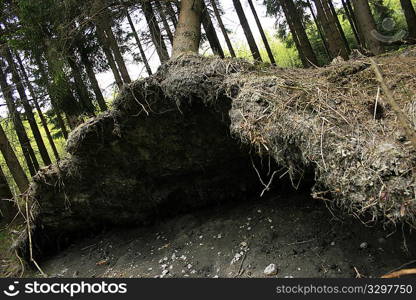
296, 233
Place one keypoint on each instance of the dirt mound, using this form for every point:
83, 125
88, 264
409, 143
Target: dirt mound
166, 145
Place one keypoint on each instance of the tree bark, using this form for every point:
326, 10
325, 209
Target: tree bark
24, 141
222, 27
351, 20
116, 50
28, 108
93, 80
333, 36
164, 20
247, 31
37, 106
7, 208
188, 30
13, 163
102, 38
339, 26
139, 44
262, 33
367, 26
171, 13
319, 28
45, 77
300, 37
155, 32
80, 88
210, 32
410, 14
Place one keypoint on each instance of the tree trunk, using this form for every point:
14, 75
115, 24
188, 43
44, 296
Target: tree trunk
28, 108
55, 109
319, 28
262, 33
80, 88
302, 42
155, 33
116, 51
211, 33
333, 36
110, 59
351, 20
410, 14
7, 208
12, 162
339, 26
139, 44
93, 80
171, 13
37, 106
367, 26
24, 141
188, 30
223, 30
247, 31
164, 19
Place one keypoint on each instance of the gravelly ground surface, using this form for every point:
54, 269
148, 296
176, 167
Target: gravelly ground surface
297, 234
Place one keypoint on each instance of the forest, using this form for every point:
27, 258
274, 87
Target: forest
121, 120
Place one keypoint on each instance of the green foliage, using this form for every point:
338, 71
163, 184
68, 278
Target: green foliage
286, 57
11, 134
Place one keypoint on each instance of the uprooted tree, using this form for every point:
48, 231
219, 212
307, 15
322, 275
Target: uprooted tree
201, 130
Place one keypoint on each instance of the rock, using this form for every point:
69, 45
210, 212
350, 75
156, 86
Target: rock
364, 245
381, 240
270, 270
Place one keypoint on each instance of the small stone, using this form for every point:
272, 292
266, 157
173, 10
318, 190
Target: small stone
364, 245
381, 240
165, 272
189, 266
270, 270
332, 243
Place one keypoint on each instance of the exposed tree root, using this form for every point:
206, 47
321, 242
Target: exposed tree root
167, 144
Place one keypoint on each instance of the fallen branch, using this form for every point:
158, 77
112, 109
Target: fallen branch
404, 121
400, 273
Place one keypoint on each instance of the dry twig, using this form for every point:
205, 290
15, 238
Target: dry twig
404, 121
400, 273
